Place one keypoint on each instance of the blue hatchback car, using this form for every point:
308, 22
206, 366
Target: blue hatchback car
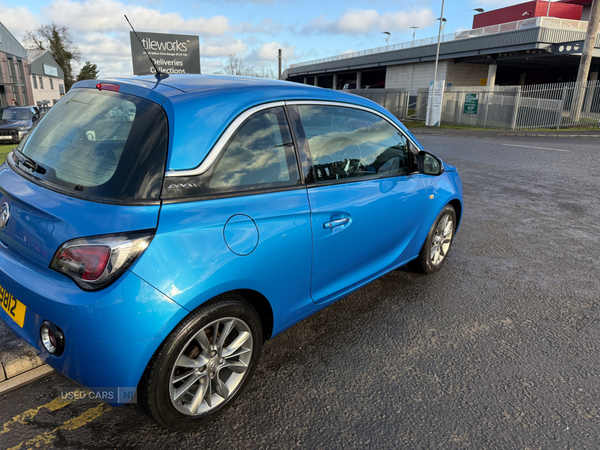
154, 233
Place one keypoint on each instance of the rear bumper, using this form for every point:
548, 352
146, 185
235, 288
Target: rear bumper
110, 335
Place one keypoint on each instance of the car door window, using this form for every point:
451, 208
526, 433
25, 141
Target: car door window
351, 143
260, 155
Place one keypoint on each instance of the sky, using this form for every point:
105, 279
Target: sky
251, 29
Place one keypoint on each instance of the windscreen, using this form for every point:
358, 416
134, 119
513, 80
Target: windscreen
16, 114
103, 144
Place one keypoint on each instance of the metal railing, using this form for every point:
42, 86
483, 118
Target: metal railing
556, 105
394, 100
548, 22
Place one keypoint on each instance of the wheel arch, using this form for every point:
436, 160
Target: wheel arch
262, 306
457, 205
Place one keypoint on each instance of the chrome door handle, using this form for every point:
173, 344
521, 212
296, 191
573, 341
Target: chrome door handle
336, 223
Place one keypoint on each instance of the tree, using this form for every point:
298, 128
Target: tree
89, 71
58, 41
235, 65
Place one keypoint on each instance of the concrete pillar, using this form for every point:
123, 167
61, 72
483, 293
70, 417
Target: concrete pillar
522, 78
590, 94
335, 81
358, 79
316, 80
305, 80
491, 78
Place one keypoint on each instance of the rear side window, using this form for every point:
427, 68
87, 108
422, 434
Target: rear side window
350, 143
102, 144
260, 155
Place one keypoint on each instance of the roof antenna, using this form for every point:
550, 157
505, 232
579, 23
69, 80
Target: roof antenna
159, 75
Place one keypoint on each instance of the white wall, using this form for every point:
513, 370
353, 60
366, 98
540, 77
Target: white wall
418, 75
46, 93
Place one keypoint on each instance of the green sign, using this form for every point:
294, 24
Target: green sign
471, 103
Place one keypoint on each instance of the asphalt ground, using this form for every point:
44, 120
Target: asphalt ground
498, 350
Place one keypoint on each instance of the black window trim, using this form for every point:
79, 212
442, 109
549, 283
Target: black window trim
314, 183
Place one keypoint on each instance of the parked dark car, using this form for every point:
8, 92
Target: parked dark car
16, 121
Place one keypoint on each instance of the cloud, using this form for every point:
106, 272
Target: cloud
266, 54
367, 21
222, 47
107, 15
266, 26
17, 20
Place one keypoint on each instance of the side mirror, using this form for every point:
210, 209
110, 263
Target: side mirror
428, 164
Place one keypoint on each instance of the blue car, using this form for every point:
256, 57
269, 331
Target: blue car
153, 234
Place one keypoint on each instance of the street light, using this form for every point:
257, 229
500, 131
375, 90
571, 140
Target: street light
387, 39
279, 57
415, 28
479, 10
437, 57
548, 12
443, 24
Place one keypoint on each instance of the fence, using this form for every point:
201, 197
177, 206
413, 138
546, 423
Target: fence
557, 105
394, 100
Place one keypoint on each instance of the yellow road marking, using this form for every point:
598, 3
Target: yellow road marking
30, 414
71, 424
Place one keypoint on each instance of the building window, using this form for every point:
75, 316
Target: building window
51, 84
16, 95
11, 69
34, 82
61, 89
21, 72
41, 83
25, 96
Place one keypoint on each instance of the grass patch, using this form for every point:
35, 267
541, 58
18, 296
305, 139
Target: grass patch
412, 125
5, 150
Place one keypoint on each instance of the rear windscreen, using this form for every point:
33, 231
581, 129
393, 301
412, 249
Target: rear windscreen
102, 144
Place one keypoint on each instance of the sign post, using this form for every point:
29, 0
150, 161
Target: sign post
434, 103
172, 53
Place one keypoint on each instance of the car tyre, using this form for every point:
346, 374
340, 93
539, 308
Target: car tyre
194, 378
438, 242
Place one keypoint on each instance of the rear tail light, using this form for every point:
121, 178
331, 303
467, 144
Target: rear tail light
96, 262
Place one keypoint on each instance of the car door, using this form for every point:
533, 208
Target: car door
241, 224
367, 201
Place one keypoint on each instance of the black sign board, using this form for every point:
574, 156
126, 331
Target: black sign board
471, 104
172, 53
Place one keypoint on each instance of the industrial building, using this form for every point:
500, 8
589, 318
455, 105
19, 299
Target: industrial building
518, 45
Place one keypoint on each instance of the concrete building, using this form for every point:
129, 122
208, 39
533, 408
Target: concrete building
47, 78
14, 71
516, 45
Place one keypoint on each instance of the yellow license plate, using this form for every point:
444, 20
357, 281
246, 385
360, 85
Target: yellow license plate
14, 308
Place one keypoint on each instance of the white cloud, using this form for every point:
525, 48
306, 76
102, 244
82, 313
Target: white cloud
107, 15
222, 47
366, 21
17, 20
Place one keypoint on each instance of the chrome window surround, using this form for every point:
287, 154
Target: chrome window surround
239, 120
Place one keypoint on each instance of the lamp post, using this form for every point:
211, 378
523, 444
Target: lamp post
279, 58
437, 57
387, 39
414, 28
548, 12
443, 24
